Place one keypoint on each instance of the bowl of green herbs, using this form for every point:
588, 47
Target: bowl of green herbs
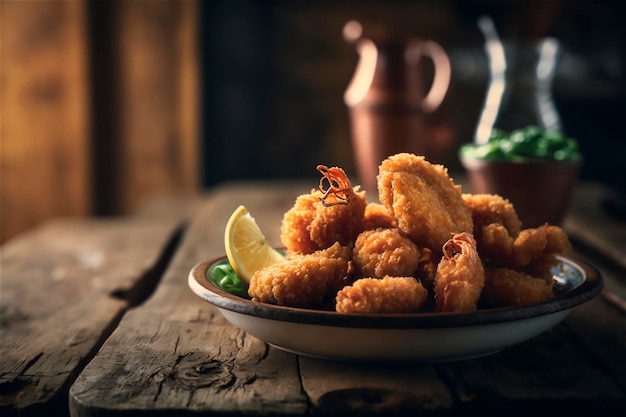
534, 168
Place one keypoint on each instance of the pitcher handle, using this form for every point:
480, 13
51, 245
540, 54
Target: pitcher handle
363, 74
442, 75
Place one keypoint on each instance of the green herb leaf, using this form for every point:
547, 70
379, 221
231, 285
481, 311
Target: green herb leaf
224, 276
529, 142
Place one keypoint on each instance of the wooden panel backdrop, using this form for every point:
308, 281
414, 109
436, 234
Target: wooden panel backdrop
44, 113
100, 100
76, 141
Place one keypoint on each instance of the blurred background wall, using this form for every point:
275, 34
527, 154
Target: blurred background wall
99, 107
107, 105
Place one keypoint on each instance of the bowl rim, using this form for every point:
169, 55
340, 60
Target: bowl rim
201, 285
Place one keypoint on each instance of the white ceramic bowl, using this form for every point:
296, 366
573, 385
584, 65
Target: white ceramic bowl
423, 337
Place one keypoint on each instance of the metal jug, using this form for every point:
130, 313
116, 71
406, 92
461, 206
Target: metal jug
386, 102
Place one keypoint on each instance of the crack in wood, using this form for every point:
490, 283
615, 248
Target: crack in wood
200, 319
179, 358
55, 330
159, 389
144, 287
14, 385
30, 363
459, 393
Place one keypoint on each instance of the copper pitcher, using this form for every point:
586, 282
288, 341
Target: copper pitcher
386, 102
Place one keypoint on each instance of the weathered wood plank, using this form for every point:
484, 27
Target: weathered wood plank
578, 365
185, 358
600, 323
336, 388
602, 328
65, 285
589, 222
146, 91
176, 353
551, 373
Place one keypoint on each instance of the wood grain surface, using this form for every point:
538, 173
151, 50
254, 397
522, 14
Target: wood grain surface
176, 355
97, 319
590, 222
65, 286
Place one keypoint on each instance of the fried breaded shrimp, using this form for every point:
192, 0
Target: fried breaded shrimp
387, 295
376, 215
492, 208
294, 230
427, 268
303, 280
542, 267
381, 252
460, 275
316, 221
495, 243
532, 244
497, 247
424, 200
507, 287
340, 223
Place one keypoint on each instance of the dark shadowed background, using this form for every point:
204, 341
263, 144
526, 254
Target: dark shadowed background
274, 74
107, 105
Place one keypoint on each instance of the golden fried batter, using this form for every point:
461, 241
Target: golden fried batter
303, 280
427, 268
558, 241
376, 215
294, 230
542, 266
460, 275
310, 225
340, 223
426, 247
381, 252
495, 244
506, 287
491, 208
387, 295
427, 204
530, 246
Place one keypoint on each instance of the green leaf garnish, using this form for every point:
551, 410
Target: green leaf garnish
223, 276
529, 142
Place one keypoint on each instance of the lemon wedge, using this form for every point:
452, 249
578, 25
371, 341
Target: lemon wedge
246, 247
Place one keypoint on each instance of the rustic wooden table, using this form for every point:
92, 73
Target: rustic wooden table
97, 319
